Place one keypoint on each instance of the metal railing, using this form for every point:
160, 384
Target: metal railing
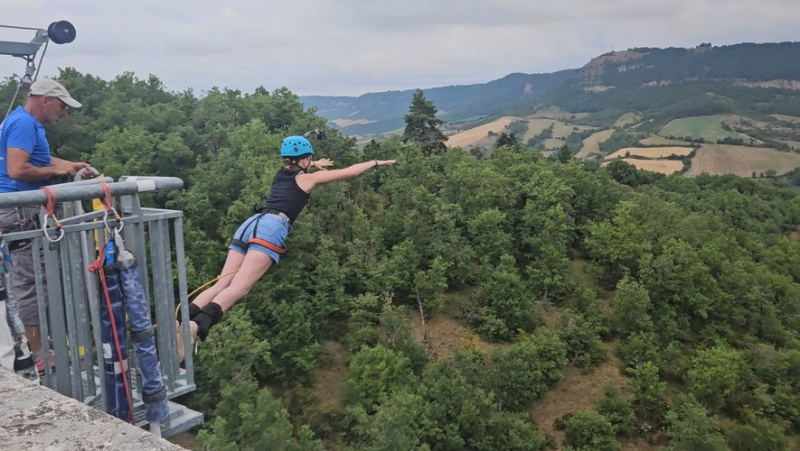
70, 318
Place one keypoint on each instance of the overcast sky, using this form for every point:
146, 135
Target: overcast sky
351, 47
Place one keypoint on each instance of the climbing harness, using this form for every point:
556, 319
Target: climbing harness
254, 239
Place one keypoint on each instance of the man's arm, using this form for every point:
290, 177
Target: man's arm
20, 168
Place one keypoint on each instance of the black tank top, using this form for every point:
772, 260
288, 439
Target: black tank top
285, 196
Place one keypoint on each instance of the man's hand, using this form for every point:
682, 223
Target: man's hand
323, 164
69, 168
79, 165
63, 167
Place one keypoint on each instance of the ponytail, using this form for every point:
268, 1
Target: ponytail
293, 164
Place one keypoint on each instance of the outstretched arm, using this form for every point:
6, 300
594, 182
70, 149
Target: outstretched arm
308, 182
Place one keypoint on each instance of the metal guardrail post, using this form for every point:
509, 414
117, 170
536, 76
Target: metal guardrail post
68, 295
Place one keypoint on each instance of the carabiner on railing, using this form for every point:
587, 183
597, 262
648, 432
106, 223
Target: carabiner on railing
120, 224
56, 226
108, 207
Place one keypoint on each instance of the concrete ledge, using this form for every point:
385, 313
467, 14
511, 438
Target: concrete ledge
35, 417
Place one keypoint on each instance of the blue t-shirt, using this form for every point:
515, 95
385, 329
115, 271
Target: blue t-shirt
22, 130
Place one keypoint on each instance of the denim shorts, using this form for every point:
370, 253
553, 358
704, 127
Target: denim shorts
271, 228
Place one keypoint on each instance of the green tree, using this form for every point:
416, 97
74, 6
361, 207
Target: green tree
395, 424
563, 154
524, 371
581, 337
506, 305
716, 375
422, 125
374, 374
632, 305
263, 424
616, 409
361, 323
760, 434
649, 393
589, 431
295, 349
395, 332
690, 429
507, 139
455, 414
514, 432
641, 347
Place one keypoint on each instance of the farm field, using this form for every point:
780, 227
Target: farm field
786, 118
592, 143
627, 119
793, 144
349, 122
555, 112
561, 130
741, 160
662, 166
553, 143
651, 152
661, 141
707, 127
473, 136
536, 126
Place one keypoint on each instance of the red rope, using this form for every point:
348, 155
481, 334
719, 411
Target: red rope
108, 202
98, 266
50, 207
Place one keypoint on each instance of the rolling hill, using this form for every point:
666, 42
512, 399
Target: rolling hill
745, 95
660, 84
383, 112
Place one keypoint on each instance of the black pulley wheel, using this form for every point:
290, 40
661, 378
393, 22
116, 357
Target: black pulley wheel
61, 32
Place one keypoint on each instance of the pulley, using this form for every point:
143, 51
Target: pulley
61, 32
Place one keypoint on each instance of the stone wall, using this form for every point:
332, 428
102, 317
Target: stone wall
33, 417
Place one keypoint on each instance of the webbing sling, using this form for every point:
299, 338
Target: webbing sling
267, 244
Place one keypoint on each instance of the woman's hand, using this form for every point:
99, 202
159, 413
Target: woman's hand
386, 162
323, 164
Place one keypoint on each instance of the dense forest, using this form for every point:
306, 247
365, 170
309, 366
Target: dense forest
695, 285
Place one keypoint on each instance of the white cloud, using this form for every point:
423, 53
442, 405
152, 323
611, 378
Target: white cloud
357, 46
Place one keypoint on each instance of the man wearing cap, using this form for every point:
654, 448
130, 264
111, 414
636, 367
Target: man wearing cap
26, 164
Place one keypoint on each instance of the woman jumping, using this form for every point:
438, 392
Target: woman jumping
259, 240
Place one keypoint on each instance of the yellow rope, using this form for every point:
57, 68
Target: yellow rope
178, 307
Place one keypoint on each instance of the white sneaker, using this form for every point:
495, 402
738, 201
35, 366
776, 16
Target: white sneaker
193, 336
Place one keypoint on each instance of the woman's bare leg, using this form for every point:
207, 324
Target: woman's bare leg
232, 263
255, 264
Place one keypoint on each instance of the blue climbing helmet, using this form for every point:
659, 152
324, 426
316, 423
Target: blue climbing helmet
296, 146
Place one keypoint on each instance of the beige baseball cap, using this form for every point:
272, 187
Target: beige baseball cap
48, 87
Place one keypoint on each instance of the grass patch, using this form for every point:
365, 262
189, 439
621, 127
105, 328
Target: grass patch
708, 128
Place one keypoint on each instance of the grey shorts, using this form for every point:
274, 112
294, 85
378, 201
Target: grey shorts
22, 274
